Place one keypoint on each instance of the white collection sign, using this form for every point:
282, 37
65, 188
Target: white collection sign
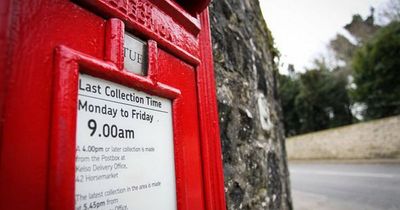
135, 54
124, 152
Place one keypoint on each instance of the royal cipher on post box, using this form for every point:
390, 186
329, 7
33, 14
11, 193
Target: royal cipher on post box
108, 104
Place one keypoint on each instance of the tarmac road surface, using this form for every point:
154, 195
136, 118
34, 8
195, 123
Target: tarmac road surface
345, 186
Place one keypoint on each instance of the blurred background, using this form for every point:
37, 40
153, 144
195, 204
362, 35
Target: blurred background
339, 86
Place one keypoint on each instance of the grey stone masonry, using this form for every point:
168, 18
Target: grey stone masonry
254, 157
377, 139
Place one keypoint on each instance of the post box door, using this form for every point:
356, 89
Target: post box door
82, 129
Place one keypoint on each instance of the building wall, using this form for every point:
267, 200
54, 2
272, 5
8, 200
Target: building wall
374, 139
254, 157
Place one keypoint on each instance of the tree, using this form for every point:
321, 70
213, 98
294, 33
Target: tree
322, 101
342, 48
288, 90
314, 100
376, 73
319, 98
391, 11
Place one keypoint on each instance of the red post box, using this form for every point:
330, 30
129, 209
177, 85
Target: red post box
108, 104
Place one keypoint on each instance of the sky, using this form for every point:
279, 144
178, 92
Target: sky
302, 28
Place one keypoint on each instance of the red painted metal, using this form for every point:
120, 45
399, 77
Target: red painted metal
211, 150
149, 20
5, 20
45, 44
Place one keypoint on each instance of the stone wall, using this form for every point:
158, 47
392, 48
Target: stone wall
254, 157
374, 139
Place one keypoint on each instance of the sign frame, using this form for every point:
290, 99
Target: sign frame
118, 149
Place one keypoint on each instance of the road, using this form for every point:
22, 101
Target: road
345, 186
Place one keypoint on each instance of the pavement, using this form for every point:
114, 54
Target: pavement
351, 185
